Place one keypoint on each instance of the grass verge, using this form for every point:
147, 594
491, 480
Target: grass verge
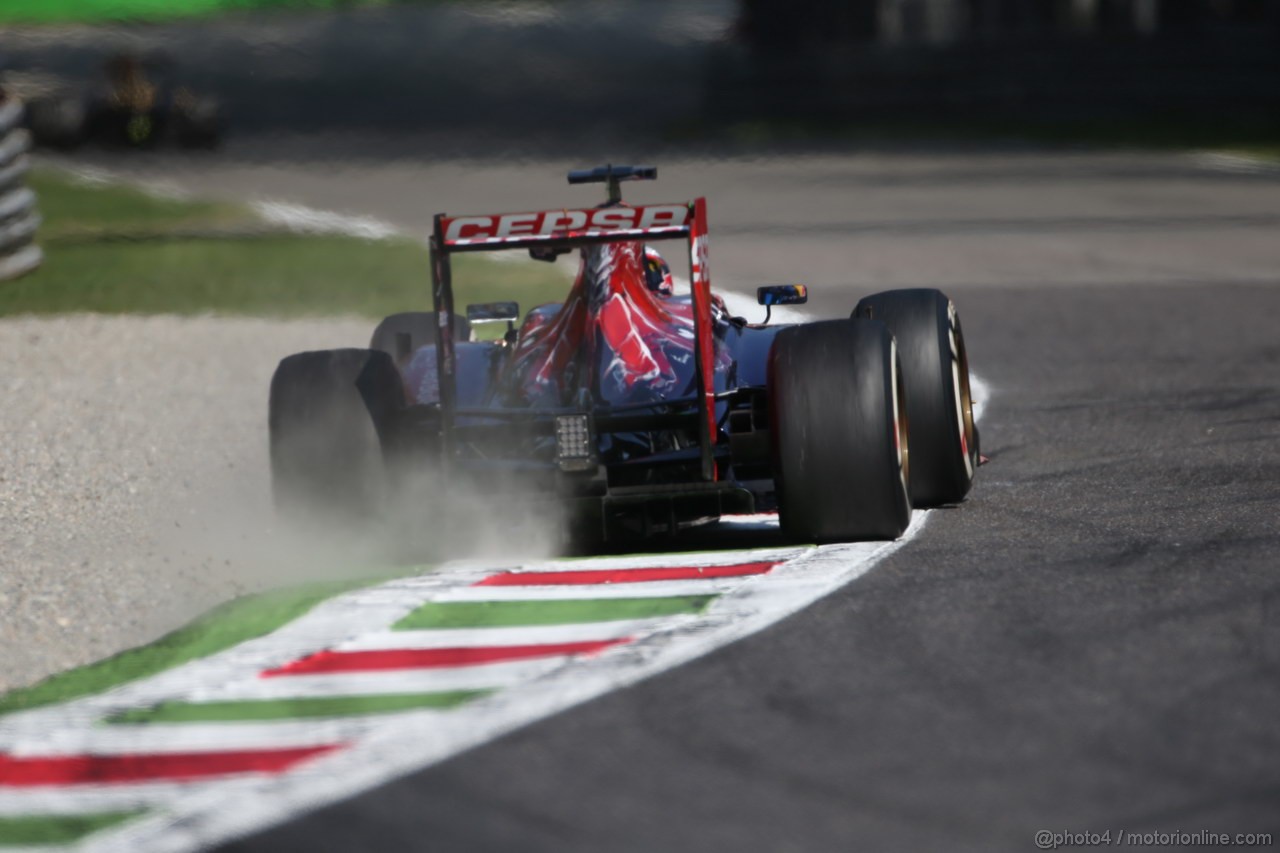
221, 628
95, 11
113, 249
74, 206
39, 830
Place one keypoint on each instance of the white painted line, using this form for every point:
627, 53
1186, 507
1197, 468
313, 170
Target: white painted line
294, 217
308, 220
84, 799
162, 738
478, 677
554, 592
446, 638
96, 176
692, 558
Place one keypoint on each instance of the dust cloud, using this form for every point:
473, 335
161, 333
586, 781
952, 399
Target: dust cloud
135, 486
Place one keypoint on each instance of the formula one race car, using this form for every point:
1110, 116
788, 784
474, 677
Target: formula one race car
138, 107
638, 410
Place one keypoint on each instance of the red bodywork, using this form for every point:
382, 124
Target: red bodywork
633, 344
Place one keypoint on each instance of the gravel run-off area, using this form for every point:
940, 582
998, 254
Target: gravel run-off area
134, 487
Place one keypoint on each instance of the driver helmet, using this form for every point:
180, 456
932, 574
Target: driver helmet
657, 274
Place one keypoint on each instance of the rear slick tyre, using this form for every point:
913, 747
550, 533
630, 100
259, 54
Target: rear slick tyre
839, 442
944, 437
328, 414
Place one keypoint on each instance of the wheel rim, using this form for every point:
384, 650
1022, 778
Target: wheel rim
960, 384
900, 425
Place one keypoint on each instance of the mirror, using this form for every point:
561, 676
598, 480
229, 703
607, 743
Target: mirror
782, 294
493, 312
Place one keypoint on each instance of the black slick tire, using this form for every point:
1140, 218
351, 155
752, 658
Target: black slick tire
839, 445
330, 415
935, 365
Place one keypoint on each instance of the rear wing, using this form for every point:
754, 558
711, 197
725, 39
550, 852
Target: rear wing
567, 229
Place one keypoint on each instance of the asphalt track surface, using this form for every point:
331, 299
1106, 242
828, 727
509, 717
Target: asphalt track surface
1090, 642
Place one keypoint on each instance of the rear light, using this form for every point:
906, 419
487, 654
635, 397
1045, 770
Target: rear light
575, 447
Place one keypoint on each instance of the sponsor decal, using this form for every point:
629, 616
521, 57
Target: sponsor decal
656, 219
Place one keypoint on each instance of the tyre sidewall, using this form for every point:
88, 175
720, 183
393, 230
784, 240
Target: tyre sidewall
921, 321
327, 414
836, 466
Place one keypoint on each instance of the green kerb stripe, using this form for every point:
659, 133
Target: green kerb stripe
226, 626
493, 614
57, 829
288, 709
